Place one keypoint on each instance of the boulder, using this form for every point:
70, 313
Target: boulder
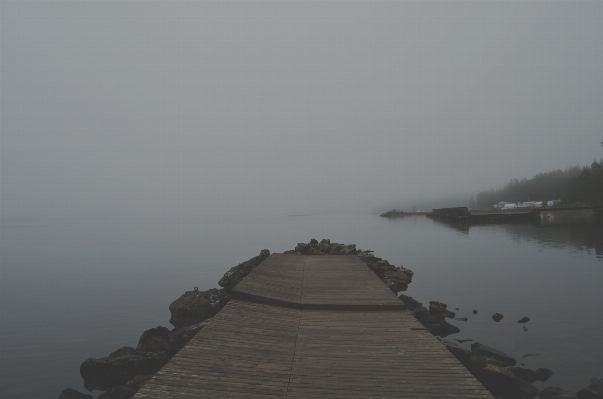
118, 392
397, 280
500, 381
120, 367
462, 354
155, 340
497, 317
420, 313
195, 306
593, 391
436, 307
436, 325
556, 393
180, 336
544, 374
336, 249
531, 375
380, 267
486, 351
138, 381
73, 394
409, 302
232, 277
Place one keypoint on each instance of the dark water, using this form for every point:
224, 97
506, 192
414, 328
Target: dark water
73, 289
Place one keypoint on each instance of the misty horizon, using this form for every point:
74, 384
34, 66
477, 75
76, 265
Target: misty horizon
146, 108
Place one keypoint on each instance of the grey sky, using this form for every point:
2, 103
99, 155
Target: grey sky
181, 107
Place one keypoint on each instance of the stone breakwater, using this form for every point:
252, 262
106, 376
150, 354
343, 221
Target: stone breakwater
124, 371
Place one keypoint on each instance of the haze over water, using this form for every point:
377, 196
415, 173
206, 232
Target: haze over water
147, 147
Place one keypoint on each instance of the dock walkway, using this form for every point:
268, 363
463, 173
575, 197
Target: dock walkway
313, 327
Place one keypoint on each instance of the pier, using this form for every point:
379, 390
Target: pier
313, 327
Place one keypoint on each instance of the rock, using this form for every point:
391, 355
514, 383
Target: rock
420, 313
556, 393
457, 309
232, 277
462, 354
411, 304
501, 381
523, 320
138, 381
479, 362
544, 374
118, 392
336, 249
436, 325
593, 391
497, 317
525, 328
313, 241
73, 394
154, 340
120, 367
180, 337
531, 376
486, 351
397, 280
461, 318
436, 307
380, 267
195, 306
474, 311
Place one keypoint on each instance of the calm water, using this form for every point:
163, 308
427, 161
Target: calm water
73, 289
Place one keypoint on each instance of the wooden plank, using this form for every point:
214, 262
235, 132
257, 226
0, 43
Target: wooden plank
341, 282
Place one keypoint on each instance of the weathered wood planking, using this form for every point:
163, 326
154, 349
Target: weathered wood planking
374, 354
261, 350
317, 282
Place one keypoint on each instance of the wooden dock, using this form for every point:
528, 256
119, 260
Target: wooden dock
313, 327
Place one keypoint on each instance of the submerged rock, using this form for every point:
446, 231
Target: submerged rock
73, 394
234, 276
195, 306
593, 391
118, 392
486, 351
497, 317
120, 367
541, 374
523, 320
500, 381
474, 311
556, 393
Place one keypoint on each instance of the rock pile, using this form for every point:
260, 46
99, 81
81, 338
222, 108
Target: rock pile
434, 318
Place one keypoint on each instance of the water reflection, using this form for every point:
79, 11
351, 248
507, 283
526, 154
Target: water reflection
579, 230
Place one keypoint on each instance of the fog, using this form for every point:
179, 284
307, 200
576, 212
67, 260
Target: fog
113, 109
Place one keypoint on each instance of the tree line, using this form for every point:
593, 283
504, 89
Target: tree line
572, 185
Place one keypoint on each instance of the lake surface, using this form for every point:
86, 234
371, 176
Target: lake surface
73, 289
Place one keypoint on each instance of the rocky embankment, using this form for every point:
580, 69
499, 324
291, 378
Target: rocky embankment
123, 372
394, 213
